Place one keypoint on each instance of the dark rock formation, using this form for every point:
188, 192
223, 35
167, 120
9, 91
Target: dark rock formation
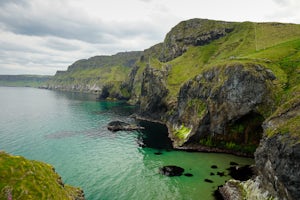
217, 101
171, 170
188, 174
122, 126
194, 32
277, 159
208, 180
278, 156
153, 93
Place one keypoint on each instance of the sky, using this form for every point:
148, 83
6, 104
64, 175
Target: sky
43, 36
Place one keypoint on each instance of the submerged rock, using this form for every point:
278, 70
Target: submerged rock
208, 180
221, 174
188, 174
122, 126
171, 170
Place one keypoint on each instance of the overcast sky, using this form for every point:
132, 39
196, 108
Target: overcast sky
42, 36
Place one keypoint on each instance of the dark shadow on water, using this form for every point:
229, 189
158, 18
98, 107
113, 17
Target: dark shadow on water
154, 136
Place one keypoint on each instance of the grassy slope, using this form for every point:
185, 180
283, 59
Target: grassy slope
29, 179
97, 71
276, 46
273, 45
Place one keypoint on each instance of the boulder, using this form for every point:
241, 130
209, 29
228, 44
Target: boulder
171, 170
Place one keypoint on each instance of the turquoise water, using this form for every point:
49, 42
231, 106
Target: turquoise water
69, 131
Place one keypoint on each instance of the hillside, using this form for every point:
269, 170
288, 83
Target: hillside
91, 75
29, 179
23, 80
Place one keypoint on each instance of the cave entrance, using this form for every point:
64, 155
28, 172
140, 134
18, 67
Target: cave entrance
155, 135
246, 130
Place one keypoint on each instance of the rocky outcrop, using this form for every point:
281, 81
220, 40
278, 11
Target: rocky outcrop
194, 32
278, 156
277, 159
171, 170
96, 73
217, 103
153, 93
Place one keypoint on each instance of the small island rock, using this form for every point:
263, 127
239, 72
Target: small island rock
171, 170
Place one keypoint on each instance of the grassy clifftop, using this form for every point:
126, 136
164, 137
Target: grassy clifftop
28, 179
23, 80
274, 45
96, 72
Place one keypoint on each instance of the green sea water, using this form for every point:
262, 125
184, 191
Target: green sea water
68, 130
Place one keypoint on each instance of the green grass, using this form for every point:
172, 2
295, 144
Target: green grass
29, 179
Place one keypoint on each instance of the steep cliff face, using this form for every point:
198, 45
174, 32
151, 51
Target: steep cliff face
96, 73
221, 103
153, 93
218, 90
194, 32
277, 159
278, 155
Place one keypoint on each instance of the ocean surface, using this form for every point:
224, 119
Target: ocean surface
68, 130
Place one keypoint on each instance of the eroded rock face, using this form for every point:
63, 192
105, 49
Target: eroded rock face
278, 157
219, 97
194, 32
153, 93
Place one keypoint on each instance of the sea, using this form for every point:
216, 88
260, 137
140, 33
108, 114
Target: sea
69, 131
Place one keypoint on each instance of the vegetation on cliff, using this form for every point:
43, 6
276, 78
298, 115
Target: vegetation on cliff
214, 84
29, 179
199, 77
96, 73
23, 80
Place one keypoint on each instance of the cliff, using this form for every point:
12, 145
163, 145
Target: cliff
226, 87
97, 73
29, 179
231, 93
218, 91
23, 80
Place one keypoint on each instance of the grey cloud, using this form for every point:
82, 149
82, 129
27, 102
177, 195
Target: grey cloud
21, 20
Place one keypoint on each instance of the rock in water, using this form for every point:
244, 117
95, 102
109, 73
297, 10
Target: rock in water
208, 180
171, 170
122, 126
188, 174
